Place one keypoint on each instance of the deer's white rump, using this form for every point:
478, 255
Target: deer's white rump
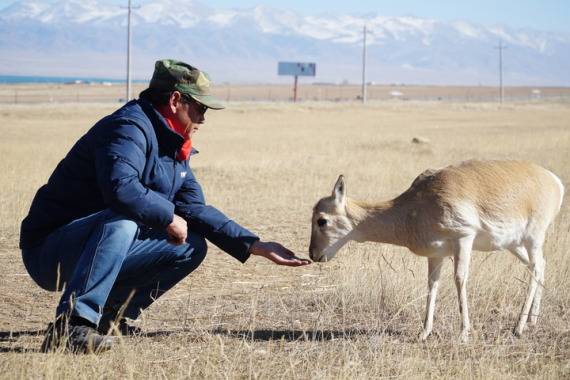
476, 205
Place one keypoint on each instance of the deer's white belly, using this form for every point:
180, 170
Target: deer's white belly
488, 237
499, 235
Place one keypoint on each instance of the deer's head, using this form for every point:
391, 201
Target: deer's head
330, 225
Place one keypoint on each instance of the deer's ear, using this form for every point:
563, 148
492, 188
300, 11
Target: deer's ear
339, 191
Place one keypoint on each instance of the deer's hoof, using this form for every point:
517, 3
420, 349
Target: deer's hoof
519, 329
424, 335
531, 322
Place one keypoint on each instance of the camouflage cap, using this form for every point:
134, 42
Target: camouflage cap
170, 75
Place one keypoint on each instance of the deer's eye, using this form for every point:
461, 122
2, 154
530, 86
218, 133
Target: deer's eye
322, 222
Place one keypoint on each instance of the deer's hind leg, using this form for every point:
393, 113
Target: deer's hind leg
535, 309
520, 253
461, 258
531, 306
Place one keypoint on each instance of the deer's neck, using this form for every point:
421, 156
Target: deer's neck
379, 222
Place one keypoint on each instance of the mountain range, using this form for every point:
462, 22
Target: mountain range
88, 38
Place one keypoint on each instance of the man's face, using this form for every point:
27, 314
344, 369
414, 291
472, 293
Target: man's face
190, 114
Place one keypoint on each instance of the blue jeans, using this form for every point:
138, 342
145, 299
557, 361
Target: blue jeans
104, 259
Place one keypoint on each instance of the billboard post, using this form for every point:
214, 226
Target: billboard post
297, 69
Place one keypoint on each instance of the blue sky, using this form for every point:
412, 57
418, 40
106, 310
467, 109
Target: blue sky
553, 15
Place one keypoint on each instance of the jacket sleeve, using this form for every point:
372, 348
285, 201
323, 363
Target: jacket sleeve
210, 222
120, 158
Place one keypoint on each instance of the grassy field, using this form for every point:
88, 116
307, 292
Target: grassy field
358, 316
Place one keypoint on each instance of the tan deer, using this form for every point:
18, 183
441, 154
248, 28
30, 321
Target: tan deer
480, 205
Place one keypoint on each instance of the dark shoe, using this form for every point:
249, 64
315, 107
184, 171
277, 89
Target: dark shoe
109, 326
76, 338
85, 339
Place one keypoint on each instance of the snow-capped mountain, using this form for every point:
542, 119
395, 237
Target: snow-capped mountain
88, 38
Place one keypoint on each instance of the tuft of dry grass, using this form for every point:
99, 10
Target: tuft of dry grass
356, 317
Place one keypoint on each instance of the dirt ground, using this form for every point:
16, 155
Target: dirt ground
359, 316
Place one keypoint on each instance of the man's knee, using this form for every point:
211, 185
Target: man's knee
121, 224
126, 227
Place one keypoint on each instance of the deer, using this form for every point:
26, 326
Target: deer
449, 212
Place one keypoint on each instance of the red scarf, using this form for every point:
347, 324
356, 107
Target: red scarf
184, 151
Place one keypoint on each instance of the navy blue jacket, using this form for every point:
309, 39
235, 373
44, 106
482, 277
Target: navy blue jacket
127, 162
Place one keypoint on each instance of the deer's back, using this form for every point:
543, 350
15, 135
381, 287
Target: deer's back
488, 198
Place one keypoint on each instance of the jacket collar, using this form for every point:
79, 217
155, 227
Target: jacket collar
168, 140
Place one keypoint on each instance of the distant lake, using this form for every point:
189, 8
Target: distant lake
21, 79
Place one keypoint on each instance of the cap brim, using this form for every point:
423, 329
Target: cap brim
209, 101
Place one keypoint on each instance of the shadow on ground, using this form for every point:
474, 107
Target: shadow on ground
7, 337
291, 335
11, 336
260, 335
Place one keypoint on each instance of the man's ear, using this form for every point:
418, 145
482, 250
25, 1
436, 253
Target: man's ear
174, 101
339, 191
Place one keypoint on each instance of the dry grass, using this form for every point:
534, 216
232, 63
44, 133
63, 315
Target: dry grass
356, 317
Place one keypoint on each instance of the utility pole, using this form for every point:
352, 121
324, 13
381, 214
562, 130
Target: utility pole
501, 47
295, 89
129, 52
129, 11
363, 95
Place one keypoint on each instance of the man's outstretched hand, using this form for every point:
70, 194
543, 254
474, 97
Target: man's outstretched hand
277, 253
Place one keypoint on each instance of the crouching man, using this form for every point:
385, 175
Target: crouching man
122, 218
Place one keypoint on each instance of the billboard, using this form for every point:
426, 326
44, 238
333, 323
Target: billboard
308, 69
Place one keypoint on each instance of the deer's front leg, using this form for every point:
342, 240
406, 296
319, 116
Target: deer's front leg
434, 273
461, 259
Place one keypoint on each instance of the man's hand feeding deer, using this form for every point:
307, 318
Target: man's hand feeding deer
481, 205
